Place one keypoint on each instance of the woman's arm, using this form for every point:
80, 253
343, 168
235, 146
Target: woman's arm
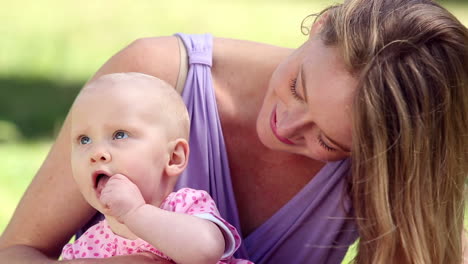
52, 208
25, 254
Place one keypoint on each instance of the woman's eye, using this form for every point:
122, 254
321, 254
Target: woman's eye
293, 88
324, 145
84, 140
120, 135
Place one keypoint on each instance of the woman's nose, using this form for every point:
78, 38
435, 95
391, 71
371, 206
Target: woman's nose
289, 124
100, 156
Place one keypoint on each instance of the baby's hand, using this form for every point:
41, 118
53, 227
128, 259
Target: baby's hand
120, 196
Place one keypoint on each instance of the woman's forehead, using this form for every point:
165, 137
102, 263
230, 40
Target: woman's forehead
314, 48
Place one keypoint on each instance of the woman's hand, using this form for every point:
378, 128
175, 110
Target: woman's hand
120, 196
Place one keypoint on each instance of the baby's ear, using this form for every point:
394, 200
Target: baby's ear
178, 159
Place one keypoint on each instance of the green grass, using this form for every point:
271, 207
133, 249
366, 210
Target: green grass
73, 38
70, 39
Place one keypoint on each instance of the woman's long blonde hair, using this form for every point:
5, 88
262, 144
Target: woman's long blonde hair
410, 127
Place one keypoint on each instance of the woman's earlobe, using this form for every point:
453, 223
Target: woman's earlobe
178, 158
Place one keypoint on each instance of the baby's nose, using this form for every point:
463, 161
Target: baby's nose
100, 156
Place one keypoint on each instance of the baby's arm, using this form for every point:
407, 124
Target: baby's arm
184, 238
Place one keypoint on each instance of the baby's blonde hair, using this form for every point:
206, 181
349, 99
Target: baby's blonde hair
167, 101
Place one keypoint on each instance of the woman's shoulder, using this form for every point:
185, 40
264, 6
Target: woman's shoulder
226, 50
157, 56
160, 56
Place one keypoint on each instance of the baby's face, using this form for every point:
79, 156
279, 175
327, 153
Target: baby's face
118, 133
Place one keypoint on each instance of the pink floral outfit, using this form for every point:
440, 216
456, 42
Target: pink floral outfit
100, 242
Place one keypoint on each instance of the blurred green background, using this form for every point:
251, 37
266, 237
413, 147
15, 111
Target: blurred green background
48, 49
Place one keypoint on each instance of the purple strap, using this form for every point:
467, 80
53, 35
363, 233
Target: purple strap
208, 167
316, 226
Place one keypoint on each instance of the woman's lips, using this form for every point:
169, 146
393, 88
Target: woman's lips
273, 128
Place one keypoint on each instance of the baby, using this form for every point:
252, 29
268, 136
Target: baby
129, 134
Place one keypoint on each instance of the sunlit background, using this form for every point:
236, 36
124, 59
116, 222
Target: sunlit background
48, 49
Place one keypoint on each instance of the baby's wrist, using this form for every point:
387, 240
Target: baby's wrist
131, 213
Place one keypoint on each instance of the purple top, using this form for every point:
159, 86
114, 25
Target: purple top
315, 226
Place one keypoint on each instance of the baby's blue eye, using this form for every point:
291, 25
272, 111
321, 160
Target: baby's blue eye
120, 135
84, 140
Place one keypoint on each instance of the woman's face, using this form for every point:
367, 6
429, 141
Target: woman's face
307, 108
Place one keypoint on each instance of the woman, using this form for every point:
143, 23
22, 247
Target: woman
382, 82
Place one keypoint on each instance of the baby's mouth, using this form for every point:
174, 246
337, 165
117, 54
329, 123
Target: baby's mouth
100, 180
